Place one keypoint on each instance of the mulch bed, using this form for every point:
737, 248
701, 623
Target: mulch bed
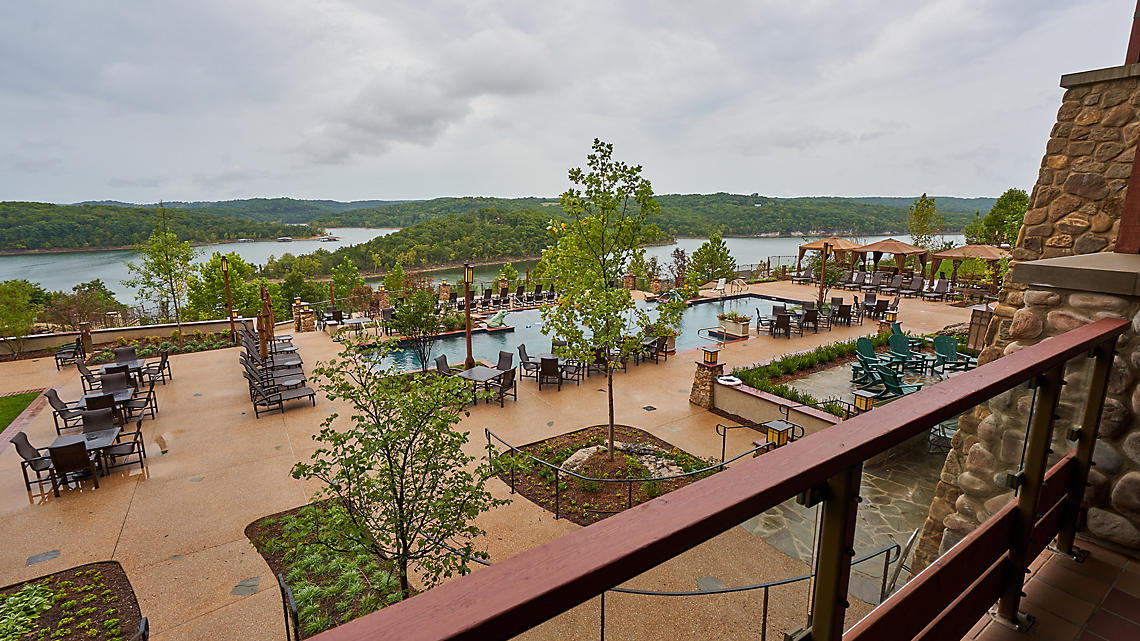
586, 502
100, 587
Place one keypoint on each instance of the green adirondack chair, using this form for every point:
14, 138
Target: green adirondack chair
902, 355
916, 342
865, 373
948, 358
893, 387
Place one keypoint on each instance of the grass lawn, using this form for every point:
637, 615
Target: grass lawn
11, 406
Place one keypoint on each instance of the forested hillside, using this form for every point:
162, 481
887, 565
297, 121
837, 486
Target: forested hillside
274, 210
486, 234
410, 213
46, 226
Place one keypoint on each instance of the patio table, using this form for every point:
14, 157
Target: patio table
133, 366
95, 441
121, 396
479, 375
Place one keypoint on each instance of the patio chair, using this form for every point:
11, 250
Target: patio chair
836, 301
876, 282
98, 420
506, 361
842, 314
656, 349
90, 380
782, 325
809, 304
865, 372
938, 439
124, 354
269, 398
528, 364
128, 444
31, 458
894, 306
844, 279
947, 358
805, 277
856, 281
826, 317
903, 355
517, 297
504, 385
914, 288
114, 382
916, 342
141, 404
535, 296
69, 462
117, 368
555, 345
940, 291
62, 411
809, 317
864, 348
893, 385
573, 370
719, 286
441, 366
894, 286
159, 371
761, 321
879, 308
69, 353
600, 364
485, 302
549, 372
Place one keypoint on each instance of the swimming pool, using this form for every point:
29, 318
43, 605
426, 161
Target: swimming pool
528, 330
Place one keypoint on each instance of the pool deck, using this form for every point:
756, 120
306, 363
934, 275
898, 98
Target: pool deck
177, 526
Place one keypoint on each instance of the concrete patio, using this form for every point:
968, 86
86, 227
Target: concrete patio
177, 526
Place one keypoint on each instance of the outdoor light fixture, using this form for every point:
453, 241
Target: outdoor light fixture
468, 273
710, 354
890, 316
864, 400
779, 432
468, 277
229, 299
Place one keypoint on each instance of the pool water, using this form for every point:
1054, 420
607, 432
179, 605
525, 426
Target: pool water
528, 331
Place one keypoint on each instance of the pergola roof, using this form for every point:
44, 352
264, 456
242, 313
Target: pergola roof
890, 246
837, 244
983, 252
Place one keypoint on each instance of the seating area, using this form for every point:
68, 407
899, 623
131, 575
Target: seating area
276, 378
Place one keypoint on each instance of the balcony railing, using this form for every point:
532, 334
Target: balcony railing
943, 601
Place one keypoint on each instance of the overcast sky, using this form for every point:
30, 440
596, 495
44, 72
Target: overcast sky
141, 101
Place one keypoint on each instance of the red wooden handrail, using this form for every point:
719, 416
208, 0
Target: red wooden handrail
529, 588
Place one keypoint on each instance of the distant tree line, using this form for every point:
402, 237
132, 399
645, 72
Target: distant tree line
28, 225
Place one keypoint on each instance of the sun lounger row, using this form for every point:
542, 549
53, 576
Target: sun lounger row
277, 378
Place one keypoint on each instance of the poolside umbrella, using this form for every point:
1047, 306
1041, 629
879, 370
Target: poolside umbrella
894, 247
988, 253
840, 246
265, 324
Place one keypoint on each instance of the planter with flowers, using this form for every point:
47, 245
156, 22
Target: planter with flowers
657, 330
734, 324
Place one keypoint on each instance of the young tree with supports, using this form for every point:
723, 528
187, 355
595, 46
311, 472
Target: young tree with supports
397, 474
923, 222
609, 209
163, 271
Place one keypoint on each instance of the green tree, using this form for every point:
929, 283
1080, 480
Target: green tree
923, 222
399, 470
609, 209
17, 313
418, 320
509, 272
711, 261
206, 288
162, 273
976, 232
1003, 223
395, 279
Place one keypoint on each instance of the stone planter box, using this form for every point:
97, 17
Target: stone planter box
733, 328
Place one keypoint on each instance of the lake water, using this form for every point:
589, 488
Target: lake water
63, 270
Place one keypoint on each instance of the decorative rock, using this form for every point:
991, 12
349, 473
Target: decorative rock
974, 486
1036, 216
1015, 299
960, 524
1063, 321
939, 509
1106, 458
1126, 495
1063, 205
1044, 230
1011, 348
998, 502
1054, 252
1086, 300
1131, 447
1012, 444
1074, 224
950, 538
1091, 186
1089, 244
1056, 161
1112, 527
1117, 116
1118, 170
1097, 491
1068, 110
1113, 98
1045, 299
989, 354
1026, 324
1108, 151
979, 461
1058, 240
1088, 116
1119, 377
1101, 222
968, 507
1113, 418
1082, 148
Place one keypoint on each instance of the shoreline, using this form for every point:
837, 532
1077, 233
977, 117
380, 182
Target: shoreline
116, 248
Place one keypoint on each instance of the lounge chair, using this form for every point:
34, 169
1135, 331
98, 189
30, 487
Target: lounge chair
69, 461
865, 372
876, 282
902, 354
844, 279
517, 297
948, 358
893, 385
504, 385
940, 291
805, 277
549, 372
269, 398
856, 281
914, 288
535, 296
69, 354
719, 287
63, 411
441, 366
485, 302
529, 365
894, 286
31, 458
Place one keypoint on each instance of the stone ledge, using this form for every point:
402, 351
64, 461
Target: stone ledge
1104, 272
1071, 80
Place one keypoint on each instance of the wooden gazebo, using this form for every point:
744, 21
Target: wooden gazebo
988, 253
894, 247
841, 247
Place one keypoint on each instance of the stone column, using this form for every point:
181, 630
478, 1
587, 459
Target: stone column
85, 338
629, 281
382, 300
296, 312
702, 391
444, 291
655, 285
307, 320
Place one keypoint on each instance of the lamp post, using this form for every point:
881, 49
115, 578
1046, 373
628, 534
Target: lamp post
468, 276
229, 300
823, 271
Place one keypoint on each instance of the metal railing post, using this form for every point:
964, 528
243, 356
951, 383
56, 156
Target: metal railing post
1085, 436
836, 537
1029, 481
